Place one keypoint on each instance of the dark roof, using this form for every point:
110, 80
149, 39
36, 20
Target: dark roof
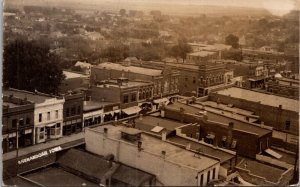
131, 176
18, 181
222, 155
84, 162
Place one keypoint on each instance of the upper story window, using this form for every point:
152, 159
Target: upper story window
40, 117
68, 112
73, 111
21, 122
125, 99
78, 109
27, 121
48, 116
133, 97
56, 114
287, 125
14, 123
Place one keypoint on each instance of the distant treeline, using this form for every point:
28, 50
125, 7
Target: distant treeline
47, 10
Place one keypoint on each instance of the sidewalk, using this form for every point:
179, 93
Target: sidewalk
42, 146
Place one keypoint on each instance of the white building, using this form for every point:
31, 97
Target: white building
173, 166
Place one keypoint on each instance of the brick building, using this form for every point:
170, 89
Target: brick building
278, 112
17, 121
165, 80
244, 138
72, 113
195, 79
128, 93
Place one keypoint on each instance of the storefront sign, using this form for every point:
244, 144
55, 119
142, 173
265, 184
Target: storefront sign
40, 155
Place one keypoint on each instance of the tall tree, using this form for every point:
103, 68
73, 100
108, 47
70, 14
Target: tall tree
232, 40
30, 66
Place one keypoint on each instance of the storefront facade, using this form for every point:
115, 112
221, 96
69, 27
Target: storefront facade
17, 124
72, 114
48, 120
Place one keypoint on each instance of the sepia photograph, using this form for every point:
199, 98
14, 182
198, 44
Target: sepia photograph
150, 93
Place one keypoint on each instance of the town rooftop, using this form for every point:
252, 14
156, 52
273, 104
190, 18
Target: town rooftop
263, 98
155, 146
133, 69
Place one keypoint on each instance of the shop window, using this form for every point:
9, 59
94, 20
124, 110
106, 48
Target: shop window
287, 125
125, 99
40, 117
41, 135
14, 124
56, 114
133, 97
52, 131
208, 176
58, 129
48, 116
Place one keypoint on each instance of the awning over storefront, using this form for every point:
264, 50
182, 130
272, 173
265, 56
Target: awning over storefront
132, 110
162, 100
50, 125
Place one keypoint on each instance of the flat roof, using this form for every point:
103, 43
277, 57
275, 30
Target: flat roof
263, 98
222, 155
152, 121
133, 69
35, 98
155, 146
215, 117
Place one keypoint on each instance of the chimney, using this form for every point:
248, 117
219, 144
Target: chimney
205, 117
141, 117
164, 135
162, 112
163, 153
105, 130
280, 106
262, 124
140, 145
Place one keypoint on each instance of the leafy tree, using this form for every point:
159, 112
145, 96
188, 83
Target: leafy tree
181, 49
122, 12
30, 66
232, 40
